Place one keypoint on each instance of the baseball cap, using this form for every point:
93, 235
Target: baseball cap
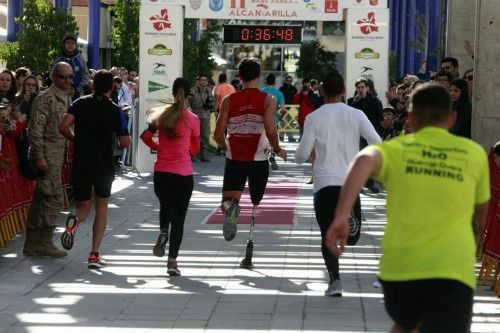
70, 36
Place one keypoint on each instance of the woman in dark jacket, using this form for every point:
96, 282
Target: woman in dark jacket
29, 90
462, 106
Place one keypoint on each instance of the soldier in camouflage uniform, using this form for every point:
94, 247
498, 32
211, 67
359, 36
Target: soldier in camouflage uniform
47, 149
202, 103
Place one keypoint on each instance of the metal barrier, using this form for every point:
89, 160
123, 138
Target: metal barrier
16, 192
289, 123
490, 238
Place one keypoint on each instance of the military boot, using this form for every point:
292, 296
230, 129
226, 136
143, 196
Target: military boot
32, 244
48, 247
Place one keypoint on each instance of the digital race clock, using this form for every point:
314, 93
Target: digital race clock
262, 34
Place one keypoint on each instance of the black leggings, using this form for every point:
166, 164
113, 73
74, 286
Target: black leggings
174, 192
325, 202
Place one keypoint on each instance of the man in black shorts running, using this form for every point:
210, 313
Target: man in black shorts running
248, 118
95, 118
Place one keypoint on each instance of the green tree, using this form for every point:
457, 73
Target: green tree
43, 28
125, 33
197, 52
314, 61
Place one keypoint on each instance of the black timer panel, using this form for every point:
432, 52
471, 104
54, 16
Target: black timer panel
262, 34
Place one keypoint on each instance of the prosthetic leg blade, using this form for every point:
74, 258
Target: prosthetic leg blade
247, 261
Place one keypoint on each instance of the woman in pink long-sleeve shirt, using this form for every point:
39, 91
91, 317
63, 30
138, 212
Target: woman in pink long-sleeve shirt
179, 139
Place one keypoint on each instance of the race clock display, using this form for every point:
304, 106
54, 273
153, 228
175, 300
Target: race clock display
262, 34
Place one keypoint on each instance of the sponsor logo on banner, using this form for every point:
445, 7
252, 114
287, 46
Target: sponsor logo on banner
311, 6
195, 4
366, 73
241, 3
160, 50
166, 2
163, 101
161, 25
366, 4
367, 77
365, 69
161, 22
368, 25
159, 69
331, 6
367, 53
299, 10
216, 5
155, 86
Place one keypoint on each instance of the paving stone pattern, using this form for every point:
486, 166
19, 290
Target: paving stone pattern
284, 292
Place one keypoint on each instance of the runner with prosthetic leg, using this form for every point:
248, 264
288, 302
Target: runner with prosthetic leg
248, 118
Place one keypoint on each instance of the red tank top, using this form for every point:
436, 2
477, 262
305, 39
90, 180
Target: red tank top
246, 137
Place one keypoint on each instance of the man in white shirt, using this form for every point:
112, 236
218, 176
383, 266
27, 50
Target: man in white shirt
124, 97
333, 132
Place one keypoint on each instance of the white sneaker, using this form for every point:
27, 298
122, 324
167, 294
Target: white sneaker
334, 289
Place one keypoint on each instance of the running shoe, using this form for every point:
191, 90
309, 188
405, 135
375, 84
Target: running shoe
172, 268
354, 225
274, 165
95, 261
334, 289
372, 186
68, 236
159, 248
229, 228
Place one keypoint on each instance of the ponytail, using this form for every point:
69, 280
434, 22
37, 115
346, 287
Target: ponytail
167, 121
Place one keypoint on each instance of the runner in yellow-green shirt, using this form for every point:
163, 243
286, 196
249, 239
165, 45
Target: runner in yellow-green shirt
437, 195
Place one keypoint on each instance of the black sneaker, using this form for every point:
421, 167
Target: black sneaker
172, 268
159, 248
68, 236
372, 186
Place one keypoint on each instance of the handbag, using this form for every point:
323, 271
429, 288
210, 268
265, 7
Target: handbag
26, 167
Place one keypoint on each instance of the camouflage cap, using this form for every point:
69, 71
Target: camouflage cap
71, 36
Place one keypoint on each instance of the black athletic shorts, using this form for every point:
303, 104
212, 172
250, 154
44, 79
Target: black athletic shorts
436, 305
236, 174
82, 186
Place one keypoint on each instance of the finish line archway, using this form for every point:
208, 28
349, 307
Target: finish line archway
161, 42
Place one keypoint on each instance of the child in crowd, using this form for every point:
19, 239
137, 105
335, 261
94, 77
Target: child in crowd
388, 130
73, 56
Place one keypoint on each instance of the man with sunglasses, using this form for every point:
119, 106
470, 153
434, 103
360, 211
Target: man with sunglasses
46, 154
469, 77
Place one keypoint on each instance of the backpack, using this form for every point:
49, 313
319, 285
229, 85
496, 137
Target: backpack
26, 168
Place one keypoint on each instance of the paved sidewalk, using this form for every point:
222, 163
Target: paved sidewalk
284, 293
